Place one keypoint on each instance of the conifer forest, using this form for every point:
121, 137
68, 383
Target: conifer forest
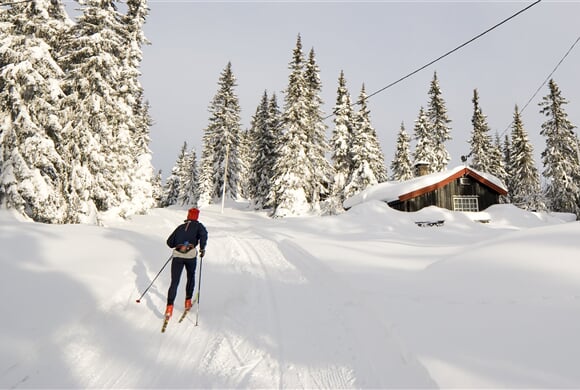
75, 131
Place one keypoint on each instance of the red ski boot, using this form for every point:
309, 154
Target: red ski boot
168, 312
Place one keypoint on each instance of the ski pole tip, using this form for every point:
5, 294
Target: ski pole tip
138, 301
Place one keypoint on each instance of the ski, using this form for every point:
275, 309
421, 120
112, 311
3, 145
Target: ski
194, 301
165, 322
183, 315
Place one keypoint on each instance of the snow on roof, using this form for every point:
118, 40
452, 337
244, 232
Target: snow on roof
391, 191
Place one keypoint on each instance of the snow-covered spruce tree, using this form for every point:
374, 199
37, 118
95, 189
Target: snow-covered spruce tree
497, 166
341, 144
507, 160
292, 176
171, 189
373, 148
401, 166
560, 158
275, 130
480, 142
424, 147
320, 168
44, 19
157, 189
31, 170
526, 191
439, 126
244, 153
98, 143
222, 143
260, 159
367, 156
205, 178
173, 184
188, 180
131, 91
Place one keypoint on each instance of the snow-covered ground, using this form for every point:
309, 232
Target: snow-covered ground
366, 299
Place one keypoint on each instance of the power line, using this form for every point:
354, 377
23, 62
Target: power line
537, 91
446, 54
544, 83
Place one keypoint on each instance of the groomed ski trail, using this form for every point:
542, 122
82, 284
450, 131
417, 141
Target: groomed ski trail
266, 286
271, 316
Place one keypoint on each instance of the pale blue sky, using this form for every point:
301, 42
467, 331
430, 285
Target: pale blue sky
373, 42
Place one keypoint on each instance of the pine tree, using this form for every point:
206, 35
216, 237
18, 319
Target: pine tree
222, 143
245, 153
424, 152
560, 158
507, 159
173, 184
157, 189
401, 167
320, 168
367, 157
372, 145
97, 140
260, 162
526, 192
96, 127
43, 19
205, 179
292, 176
188, 179
31, 170
497, 165
341, 142
140, 186
480, 142
439, 126
273, 140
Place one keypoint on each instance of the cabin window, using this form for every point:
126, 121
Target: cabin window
464, 181
465, 203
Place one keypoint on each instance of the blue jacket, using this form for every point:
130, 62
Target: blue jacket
191, 231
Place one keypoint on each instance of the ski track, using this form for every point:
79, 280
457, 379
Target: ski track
266, 280
354, 320
289, 287
273, 293
253, 254
253, 285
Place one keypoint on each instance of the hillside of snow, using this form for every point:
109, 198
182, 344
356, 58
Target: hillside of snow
366, 299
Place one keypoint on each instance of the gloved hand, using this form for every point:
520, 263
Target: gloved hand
202, 252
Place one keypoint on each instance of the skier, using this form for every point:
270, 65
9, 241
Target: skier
184, 240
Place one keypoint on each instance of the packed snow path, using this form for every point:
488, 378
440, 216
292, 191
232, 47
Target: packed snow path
272, 316
362, 300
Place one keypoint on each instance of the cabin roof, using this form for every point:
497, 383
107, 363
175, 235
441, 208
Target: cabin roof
401, 191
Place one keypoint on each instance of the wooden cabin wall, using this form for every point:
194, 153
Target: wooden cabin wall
443, 197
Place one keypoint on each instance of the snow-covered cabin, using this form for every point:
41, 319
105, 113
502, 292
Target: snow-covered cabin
460, 189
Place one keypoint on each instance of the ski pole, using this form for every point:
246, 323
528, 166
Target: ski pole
198, 290
155, 278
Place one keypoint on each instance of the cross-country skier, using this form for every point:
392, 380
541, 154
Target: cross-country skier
184, 240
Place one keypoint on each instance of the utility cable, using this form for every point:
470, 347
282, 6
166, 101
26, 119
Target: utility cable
464, 158
544, 83
445, 55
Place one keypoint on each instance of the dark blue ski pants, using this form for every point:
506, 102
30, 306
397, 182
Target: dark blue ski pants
177, 265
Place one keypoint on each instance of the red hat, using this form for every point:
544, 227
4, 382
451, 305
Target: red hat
193, 214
